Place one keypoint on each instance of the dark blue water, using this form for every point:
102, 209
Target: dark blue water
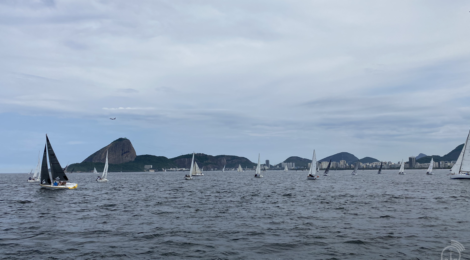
235, 216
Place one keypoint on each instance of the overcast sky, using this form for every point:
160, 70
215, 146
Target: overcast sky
386, 79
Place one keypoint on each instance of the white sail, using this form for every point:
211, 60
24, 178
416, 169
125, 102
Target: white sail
258, 167
465, 165
223, 170
355, 168
95, 171
285, 169
431, 164
197, 171
37, 170
105, 170
456, 167
192, 167
239, 168
402, 167
313, 165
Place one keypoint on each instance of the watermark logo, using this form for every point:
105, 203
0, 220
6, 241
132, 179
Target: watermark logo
454, 249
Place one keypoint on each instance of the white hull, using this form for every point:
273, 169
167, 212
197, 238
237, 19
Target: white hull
188, 178
196, 174
102, 180
460, 176
258, 176
33, 181
67, 186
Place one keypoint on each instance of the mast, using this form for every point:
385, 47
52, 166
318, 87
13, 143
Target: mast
463, 157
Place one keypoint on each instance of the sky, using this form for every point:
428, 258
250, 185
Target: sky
385, 79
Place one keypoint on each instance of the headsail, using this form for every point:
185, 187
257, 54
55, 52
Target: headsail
56, 170
45, 177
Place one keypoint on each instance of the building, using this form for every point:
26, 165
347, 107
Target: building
289, 165
267, 164
412, 162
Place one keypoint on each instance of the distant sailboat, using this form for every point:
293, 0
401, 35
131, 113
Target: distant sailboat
258, 170
56, 179
313, 167
402, 168
355, 168
431, 165
462, 166
197, 171
327, 169
191, 169
94, 168
223, 170
240, 169
285, 168
380, 169
105, 171
35, 177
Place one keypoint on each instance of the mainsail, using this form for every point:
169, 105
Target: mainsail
105, 170
192, 167
258, 167
223, 170
56, 170
380, 169
45, 177
431, 164
465, 165
313, 165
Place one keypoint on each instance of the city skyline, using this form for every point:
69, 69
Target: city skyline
378, 79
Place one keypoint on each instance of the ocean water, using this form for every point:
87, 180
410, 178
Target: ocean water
235, 216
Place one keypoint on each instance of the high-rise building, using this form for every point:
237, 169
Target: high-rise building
412, 162
267, 164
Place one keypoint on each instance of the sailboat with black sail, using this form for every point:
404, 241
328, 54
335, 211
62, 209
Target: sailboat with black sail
56, 179
380, 169
327, 169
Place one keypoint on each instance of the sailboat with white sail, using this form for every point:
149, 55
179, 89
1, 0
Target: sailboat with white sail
258, 170
223, 170
191, 169
380, 169
313, 167
402, 168
355, 168
197, 171
461, 169
105, 171
56, 179
240, 169
35, 177
95, 171
327, 169
431, 165
285, 168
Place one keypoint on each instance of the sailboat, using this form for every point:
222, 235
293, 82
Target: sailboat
380, 169
327, 169
94, 168
105, 171
402, 168
35, 177
56, 179
197, 171
258, 170
431, 164
240, 169
313, 167
223, 170
355, 168
462, 166
191, 169
285, 168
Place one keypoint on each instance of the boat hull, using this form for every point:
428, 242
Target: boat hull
401, 173
429, 173
33, 181
312, 178
102, 180
258, 176
460, 176
198, 174
68, 186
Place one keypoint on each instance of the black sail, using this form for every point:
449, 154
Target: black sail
328, 168
380, 169
56, 170
45, 179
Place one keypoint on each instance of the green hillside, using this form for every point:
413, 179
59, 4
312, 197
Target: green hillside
451, 156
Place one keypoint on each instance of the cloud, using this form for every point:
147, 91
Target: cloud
128, 90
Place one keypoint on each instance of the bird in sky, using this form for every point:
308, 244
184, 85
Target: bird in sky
112, 118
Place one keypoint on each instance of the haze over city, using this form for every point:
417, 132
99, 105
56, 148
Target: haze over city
387, 80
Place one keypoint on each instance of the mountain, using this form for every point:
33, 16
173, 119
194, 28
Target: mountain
421, 155
119, 151
212, 162
349, 158
368, 160
299, 162
451, 156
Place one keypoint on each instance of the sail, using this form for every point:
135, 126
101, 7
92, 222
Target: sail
191, 168
356, 167
380, 169
105, 170
95, 171
313, 165
456, 167
37, 170
328, 167
223, 170
285, 168
196, 169
402, 167
45, 177
56, 170
239, 168
258, 167
431, 164
465, 166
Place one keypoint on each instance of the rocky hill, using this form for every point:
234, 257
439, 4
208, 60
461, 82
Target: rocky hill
299, 161
212, 162
368, 160
349, 158
119, 151
451, 156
